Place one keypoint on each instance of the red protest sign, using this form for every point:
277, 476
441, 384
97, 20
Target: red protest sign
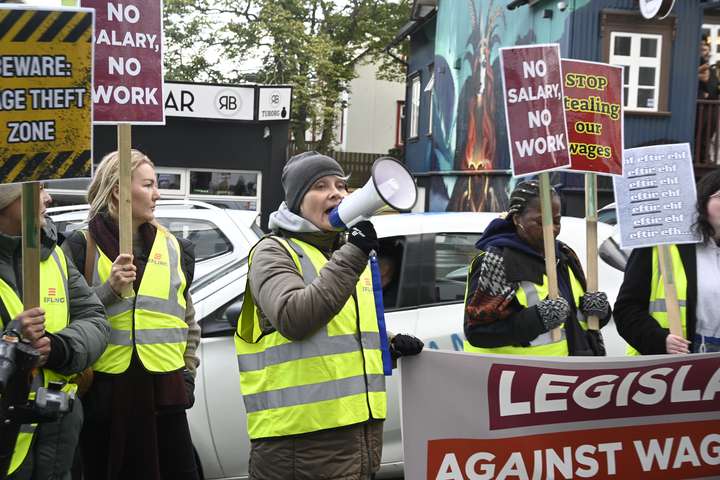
128, 61
532, 84
593, 110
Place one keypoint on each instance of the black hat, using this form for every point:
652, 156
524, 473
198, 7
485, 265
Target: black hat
301, 171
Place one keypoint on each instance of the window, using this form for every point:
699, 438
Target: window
223, 321
414, 106
639, 55
453, 254
228, 183
644, 49
712, 30
209, 240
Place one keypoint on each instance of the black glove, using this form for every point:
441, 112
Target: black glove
189, 387
595, 304
553, 312
363, 236
404, 345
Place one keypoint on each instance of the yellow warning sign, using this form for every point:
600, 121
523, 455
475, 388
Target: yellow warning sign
46, 58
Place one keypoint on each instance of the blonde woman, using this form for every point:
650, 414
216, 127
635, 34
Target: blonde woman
135, 423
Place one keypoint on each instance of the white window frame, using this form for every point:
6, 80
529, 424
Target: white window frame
182, 191
634, 61
429, 88
201, 196
414, 107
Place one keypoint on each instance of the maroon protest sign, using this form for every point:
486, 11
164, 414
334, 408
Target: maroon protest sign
593, 109
128, 61
532, 83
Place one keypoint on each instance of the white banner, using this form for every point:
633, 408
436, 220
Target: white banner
481, 417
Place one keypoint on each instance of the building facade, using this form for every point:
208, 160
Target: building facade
455, 132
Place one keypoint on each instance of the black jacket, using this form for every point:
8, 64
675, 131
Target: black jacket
632, 318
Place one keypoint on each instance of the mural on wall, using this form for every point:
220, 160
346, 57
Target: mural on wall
469, 132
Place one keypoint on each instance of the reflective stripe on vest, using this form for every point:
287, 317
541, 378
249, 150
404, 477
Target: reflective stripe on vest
54, 300
325, 381
529, 294
656, 304
153, 321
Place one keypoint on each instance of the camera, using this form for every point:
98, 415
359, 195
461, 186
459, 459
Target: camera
17, 361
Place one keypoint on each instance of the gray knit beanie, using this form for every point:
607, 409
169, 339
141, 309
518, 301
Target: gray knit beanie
9, 192
301, 171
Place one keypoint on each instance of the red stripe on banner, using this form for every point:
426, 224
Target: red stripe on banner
662, 451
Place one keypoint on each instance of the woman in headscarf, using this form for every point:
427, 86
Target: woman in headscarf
507, 309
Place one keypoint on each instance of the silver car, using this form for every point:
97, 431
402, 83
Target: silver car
430, 254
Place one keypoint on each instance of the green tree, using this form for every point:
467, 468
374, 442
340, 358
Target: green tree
312, 45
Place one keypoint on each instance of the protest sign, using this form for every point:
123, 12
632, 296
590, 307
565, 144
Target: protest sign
593, 110
656, 196
532, 86
513, 417
45, 97
128, 61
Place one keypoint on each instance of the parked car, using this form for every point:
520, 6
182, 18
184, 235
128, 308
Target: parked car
431, 253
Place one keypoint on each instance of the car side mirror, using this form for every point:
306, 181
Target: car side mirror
611, 253
232, 313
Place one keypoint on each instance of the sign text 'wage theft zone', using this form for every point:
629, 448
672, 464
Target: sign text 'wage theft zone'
45, 95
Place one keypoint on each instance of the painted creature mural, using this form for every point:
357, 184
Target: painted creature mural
469, 139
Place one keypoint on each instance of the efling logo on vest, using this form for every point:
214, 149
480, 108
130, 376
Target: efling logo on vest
51, 296
157, 259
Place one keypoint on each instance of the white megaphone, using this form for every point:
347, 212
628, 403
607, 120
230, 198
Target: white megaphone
390, 184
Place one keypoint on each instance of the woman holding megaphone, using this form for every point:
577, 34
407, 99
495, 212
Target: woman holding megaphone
135, 422
507, 309
308, 342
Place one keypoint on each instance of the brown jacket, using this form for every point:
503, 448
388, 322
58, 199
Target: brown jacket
297, 311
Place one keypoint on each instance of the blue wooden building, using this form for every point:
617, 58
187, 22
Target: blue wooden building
454, 129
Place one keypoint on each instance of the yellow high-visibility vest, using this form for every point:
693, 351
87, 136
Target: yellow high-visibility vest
153, 320
657, 307
332, 379
54, 300
529, 294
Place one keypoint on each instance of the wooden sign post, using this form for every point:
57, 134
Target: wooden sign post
125, 194
549, 242
31, 244
671, 296
591, 239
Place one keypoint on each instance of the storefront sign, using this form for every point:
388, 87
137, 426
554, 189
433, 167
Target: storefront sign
45, 94
656, 196
656, 8
274, 103
593, 110
532, 84
510, 417
128, 61
209, 101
